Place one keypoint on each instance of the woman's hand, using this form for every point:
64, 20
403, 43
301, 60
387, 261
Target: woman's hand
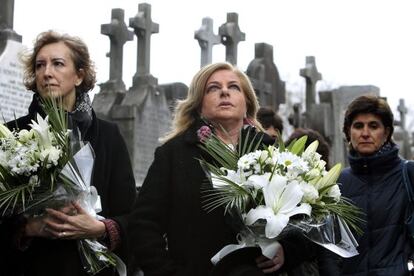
35, 227
73, 223
271, 265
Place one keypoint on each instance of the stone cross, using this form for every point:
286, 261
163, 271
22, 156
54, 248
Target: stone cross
231, 36
406, 148
403, 112
118, 34
207, 39
312, 76
6, 23
143, 28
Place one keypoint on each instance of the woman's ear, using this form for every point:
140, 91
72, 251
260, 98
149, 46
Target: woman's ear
81, 76
387, 134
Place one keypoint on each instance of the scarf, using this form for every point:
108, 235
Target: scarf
79, 120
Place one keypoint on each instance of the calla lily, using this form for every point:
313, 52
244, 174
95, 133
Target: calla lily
41, 127
281, 201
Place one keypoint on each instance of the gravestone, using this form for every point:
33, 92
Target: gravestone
312, 76
336, 101
263, 73
401, 136
206, 39
173, 92
14, 98
143, 115
113, 91
231, 35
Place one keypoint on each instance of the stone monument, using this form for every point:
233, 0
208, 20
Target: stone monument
263, 73
231, 35
206, 39
14, 98
113, 91
143, 114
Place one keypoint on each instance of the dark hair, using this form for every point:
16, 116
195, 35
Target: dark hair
79, 53
268, 117
323, 147
369, 104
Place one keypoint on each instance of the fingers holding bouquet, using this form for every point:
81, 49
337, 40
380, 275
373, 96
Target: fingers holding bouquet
274, 264
73, 222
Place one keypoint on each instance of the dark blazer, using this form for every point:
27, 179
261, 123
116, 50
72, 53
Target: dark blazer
114, 180
169, 214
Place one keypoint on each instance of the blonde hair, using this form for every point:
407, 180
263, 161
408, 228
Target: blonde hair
187, 110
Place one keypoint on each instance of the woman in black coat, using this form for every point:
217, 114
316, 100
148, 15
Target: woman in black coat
171, 232
60, 67
374, 183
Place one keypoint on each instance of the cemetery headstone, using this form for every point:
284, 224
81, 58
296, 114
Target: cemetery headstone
14, 98
312, 76
404, 139
206, 39
231, 35
113, 91
143, 115
265, 78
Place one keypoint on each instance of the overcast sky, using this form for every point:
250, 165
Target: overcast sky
355, 42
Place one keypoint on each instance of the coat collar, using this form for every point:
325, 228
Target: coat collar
381, 162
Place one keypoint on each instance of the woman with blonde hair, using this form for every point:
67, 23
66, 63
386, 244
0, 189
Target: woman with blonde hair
171, 232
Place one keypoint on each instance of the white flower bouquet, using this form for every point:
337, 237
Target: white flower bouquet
45, 167
273, 190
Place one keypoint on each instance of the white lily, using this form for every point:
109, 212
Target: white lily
5, 132
281, 199
312, 147
41, 127
329, 178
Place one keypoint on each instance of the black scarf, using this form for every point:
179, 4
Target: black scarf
79, 120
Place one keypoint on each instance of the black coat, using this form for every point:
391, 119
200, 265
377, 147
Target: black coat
114, 180
169, 213
375, 184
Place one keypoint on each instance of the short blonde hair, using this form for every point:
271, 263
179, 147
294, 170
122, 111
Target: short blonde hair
188, 110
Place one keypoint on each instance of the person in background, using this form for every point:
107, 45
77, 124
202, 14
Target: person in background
59, 66
270, 121
374, 182
171, 232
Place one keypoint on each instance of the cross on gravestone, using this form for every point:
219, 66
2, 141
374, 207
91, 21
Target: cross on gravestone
118, 34
312, 76
406, 148
231, 36
143, 28
207, 39
403, 112
6, 23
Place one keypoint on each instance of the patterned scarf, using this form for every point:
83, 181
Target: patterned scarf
79, 120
